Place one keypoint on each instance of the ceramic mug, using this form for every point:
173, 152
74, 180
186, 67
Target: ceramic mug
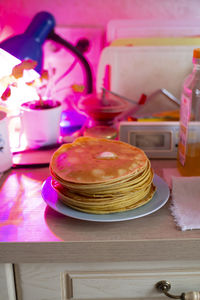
5, 152
41, 126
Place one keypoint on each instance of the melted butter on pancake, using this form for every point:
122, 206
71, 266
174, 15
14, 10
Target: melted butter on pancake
107, 155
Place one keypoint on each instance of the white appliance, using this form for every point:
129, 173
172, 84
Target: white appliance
144, 56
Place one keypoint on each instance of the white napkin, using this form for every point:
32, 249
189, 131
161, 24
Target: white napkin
186, 202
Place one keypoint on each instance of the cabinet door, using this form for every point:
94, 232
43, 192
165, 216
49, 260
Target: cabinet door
7, 285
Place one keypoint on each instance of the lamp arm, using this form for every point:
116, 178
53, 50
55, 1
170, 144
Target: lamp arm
88, 73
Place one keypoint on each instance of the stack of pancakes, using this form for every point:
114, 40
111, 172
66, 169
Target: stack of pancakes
101, 176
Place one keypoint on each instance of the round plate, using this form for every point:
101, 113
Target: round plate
159, 199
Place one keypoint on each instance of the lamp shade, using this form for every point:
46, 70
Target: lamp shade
29, 44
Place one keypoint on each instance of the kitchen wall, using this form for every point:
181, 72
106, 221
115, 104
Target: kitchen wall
15, 15
84, 15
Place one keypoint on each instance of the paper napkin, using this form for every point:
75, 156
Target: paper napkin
186, 202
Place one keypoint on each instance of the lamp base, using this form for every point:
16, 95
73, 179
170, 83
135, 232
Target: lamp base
71, 121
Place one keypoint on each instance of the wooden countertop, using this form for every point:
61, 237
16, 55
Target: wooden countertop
30, 231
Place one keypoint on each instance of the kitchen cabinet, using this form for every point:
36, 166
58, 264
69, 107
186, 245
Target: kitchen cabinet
104, 281
49, 256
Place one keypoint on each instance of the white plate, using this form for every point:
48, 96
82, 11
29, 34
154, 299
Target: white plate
159, 199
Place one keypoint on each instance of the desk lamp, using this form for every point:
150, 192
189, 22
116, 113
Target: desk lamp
28, 45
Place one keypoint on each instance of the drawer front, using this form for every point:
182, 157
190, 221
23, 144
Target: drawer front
120, 285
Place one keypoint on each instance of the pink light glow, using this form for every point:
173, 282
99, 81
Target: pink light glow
21, 93
20, 206
6, 32
57, 56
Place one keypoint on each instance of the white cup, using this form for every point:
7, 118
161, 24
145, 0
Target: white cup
40, 126
5, 152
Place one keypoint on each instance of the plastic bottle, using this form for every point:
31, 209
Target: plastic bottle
189, 135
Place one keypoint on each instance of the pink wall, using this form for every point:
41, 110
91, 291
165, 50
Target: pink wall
15, 16
18, 13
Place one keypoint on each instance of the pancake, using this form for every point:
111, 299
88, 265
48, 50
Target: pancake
93, 160
106, 206
101, 176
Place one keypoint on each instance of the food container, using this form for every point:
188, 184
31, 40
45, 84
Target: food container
102, 109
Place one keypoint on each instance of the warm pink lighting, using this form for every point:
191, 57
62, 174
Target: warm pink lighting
20, 206
21, 92
6, 32
18, 141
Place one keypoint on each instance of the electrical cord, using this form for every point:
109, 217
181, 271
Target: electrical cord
88, 73
82, 45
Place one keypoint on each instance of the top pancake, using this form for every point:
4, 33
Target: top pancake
91, 160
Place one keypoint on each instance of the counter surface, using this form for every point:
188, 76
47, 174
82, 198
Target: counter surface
32, 231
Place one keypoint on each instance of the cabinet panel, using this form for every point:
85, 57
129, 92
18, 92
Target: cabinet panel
120, 284
104, 281
7, 285
38, 281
